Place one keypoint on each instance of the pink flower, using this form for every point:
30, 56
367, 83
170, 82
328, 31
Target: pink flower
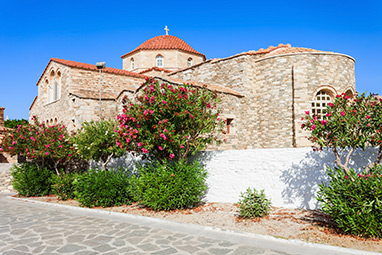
307, 112
172, 175
182, 146
47, 146
172, 156
60, 146
180, 96
346, 177
323, 122
342, 113
313, 127
160, 148
46, 153
146, 97
1, 149
164, 130
328, 114
312, 121
13, 142
145, 112
338, 96
302, 118
163, 136
139, 144
144, 150
368, 125
367, 117
208, 106
164, 102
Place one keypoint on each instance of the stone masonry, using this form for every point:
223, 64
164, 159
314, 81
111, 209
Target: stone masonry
277, 89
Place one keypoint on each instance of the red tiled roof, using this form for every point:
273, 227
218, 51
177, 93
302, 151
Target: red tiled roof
289, 49
33, 103
93, 67
165, 42
155, 68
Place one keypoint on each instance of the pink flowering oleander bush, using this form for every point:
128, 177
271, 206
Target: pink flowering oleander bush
348, 124
354, 201
46, 146
169, 122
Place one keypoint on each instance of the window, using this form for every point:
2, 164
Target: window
189, 62
132, 63
319, 104
228, 123
54, 86
159, 61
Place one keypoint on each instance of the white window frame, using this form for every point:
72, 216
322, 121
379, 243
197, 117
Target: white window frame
159, 61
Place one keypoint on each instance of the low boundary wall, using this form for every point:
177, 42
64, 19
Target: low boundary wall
289, 176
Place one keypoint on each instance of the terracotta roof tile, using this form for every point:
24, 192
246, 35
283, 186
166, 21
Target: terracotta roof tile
93, 67
155, 68
165, 42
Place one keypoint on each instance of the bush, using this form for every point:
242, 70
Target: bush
254, 204
169, 186
63, 186
102, 188
31, 180
354, 201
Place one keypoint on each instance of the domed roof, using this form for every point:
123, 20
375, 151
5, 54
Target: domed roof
165, 42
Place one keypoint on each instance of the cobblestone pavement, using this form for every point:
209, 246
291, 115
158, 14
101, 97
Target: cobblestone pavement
36, 228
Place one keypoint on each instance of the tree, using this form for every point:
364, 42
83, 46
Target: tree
348, 124
97, 140
169, 122
46, 146
14, 123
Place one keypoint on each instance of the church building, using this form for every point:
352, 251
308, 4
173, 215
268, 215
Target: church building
264, 93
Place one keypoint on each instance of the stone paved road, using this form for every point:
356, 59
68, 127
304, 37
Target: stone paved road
36, 228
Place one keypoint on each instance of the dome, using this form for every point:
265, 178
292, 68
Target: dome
165, 42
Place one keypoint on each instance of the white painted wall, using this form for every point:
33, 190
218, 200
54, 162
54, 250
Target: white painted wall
289, 176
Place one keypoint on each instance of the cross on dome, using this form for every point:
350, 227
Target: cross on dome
166, 29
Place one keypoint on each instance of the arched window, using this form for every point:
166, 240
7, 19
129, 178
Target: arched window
132, 63
54, 86
321, 100
189, 62
349, 93
159, 61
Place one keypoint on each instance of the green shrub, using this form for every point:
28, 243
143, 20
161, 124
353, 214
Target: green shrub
63, 186
102, 188
169, 186
253, 204
31, 180
354, 201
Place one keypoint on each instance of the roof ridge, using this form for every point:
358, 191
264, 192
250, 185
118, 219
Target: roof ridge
81, 65
165, 42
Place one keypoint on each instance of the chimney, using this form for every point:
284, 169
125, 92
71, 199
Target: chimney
2, 116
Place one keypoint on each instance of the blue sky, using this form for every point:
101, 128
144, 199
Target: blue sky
31, 32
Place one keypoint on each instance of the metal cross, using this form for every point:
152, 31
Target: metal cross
166, 29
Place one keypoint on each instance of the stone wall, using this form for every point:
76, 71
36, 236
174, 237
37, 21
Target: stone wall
4, 157
79, 90
277, 91
172, 59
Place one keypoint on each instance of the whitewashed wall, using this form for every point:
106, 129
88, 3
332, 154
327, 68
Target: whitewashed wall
290, 176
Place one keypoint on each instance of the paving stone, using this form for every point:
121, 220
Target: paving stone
70, 248
104, 248
29, 228
219, 251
